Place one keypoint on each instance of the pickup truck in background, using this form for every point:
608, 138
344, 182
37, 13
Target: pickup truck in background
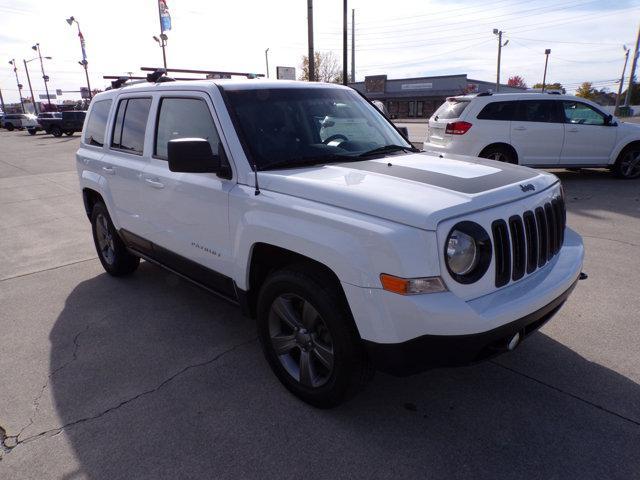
67, 123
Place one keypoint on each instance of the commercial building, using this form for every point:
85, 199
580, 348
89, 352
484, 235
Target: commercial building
420, 97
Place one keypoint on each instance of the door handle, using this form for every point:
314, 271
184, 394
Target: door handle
154, 183
519, 128
109, 170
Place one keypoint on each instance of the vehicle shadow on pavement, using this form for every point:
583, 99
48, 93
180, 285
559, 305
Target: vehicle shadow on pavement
155, 378
588, 191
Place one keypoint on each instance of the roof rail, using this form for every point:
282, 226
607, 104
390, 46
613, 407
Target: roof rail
484, 94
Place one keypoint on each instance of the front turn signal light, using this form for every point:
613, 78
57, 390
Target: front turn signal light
412, 286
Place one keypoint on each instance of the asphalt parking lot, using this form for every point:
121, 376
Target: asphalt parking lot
150, 377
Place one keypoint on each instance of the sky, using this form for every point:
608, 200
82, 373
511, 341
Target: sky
401, 38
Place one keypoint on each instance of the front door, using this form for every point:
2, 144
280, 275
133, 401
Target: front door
188, 212
589, 138
537, 132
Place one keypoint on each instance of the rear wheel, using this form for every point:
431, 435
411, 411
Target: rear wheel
56, 131
499, 153
32, 131
69, 133
309, 338
113, 254
9, 126
627, 165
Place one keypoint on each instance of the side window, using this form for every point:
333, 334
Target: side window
538, 111
583, 114
498, 111
97, 123
130, 125
184, 118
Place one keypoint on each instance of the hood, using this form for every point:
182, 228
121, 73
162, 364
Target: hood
418, 189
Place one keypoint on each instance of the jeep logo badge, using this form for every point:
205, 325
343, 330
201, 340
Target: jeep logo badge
527, 187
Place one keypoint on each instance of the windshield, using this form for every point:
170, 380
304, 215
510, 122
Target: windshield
293, 126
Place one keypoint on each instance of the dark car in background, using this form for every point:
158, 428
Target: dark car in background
43, 116
67, 123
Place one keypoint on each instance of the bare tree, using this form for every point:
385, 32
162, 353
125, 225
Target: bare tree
327, 68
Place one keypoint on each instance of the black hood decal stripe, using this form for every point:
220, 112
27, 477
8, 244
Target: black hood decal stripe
503, 177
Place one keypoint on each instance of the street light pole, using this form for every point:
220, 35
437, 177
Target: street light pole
500, 45
353, 45
345, 73
33, 98
36, 47
84, 61
2, 101
546, 62
627, 100
15, 70
311, 57
266, 58
626, 59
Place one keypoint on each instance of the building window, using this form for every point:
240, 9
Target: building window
420, 111
412, 108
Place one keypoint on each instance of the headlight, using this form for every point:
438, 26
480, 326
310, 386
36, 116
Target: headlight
467, 252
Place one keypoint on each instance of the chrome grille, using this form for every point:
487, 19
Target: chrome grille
528, 241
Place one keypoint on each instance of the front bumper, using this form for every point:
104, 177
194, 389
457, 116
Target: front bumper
428, 351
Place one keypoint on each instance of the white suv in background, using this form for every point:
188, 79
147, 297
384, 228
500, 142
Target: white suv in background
537, 130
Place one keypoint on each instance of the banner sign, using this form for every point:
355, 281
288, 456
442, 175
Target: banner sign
82, 45
165, 18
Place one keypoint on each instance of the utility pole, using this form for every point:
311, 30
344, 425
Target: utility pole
345, 72
15, 70
266, 58
547, 52
36, 47
627, 100
2, 101
353, 45
84, 61
33, 98
312, 62
500, 45
626, 59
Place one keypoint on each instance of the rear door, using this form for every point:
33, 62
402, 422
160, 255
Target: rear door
537, 132
589, 139
126, 158
449, 111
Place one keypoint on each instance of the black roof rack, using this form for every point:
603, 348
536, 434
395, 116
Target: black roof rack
120, 81
159, 75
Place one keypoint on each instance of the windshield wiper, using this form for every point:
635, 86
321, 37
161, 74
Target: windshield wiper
388, 149
304, 161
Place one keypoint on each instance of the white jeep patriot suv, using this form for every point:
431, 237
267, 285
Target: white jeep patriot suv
303, 204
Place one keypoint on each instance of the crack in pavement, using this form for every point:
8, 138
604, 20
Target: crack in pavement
10, 442
564, 392
611, 240
36, 400
48, 269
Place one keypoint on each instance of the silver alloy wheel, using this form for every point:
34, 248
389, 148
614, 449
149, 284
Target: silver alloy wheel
498, 156
630, 164
105, 239
301, 340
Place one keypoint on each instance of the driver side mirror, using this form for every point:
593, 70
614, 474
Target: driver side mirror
192, 155
608, 120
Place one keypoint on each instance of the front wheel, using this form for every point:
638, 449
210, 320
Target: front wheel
56, 131
9, 127
69, 133
499, 153
32, 131
113, 254
309, 338
627, 165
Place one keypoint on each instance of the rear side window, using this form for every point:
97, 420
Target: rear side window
538, 111
451, 109
97, 124
184, 118
130, 125
498, 111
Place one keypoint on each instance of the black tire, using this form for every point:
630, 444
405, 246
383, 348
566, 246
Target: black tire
115, 259
500, 154
351, 368
622, 168
9, 126
32, 131
56, 131
69, 133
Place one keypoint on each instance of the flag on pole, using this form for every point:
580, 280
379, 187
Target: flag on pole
165, 18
